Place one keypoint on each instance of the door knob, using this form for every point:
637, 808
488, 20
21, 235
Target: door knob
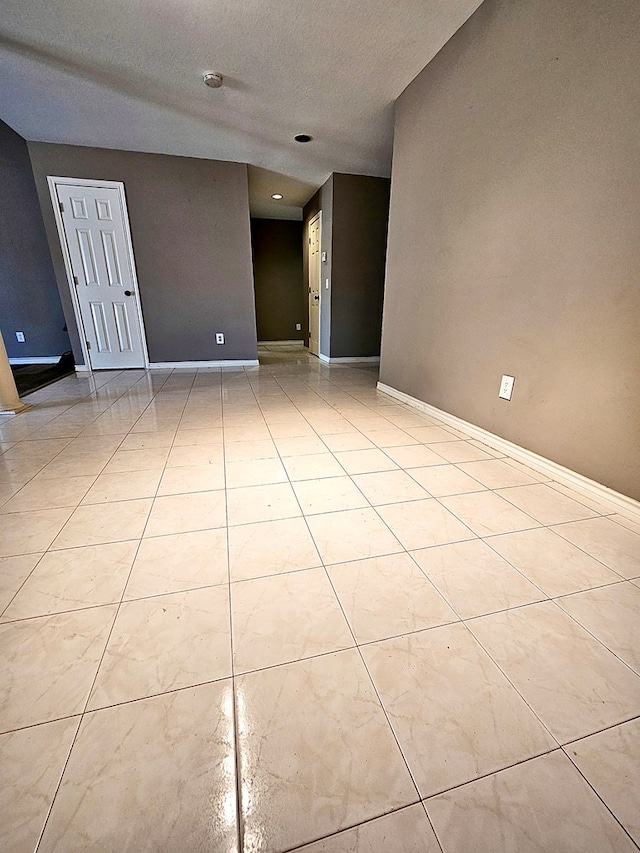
128, 293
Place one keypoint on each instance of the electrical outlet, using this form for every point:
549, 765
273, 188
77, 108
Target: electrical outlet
506, 387
219, 338
20, 337
298, 327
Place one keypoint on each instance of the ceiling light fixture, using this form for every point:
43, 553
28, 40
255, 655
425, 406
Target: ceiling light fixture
303, 137
212, 79
277, 196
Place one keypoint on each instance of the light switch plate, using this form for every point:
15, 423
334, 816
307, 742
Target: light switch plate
506, 387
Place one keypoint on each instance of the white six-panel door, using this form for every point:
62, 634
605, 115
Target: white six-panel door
314, 285
101, 260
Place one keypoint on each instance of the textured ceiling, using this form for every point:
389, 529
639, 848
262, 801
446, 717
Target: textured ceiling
127, 74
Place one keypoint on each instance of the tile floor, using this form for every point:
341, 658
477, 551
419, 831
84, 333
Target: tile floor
272, 609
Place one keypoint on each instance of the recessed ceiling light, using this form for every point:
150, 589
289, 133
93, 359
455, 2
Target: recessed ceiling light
212, 80
277, 196
303, 137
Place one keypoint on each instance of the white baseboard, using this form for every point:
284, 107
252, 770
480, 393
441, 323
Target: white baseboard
588, 487
43, 359
299, 343
369, 359
194, 365
83, 368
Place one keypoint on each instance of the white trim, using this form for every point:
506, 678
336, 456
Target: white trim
588, 487
369, 359
318, 216
297, 343
83, 368
44, 359
191, 365
53, 181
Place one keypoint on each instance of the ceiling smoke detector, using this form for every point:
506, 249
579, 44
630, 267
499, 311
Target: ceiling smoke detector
212, 79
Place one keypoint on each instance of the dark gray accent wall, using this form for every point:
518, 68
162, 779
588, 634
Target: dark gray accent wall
29, 300
513, 238
191, 239
359, 247
277, 273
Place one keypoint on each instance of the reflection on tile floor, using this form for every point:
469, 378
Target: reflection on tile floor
273, 609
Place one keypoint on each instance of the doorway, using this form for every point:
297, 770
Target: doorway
93, 226
314, 237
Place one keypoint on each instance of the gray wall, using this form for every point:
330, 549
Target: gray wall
513, 241
359, 243
29, 300
190, 229
277, 273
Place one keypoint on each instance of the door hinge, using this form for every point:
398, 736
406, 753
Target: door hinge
88, 343
309, 240
75, 280
61, 206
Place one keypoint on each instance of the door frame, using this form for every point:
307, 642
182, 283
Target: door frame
318, 216
53, 181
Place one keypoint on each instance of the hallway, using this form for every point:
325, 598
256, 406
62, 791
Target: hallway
252, 609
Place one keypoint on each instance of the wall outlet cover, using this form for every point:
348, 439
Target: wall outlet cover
219, 338
298, 327
20, 337
506, 387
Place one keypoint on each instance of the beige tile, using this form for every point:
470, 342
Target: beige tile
460, 451
116, 487
245, 451
610, 761
316, 752
352, 535
404, 831
262, 503
364, 461
430, 434
191, 478
313, 466
165, 643
391, 437
271, 547
599, 507
496, 473
612, 615
159, 773
13, 573
569, 679
448, 732
543, 805
189, 437
31, 764
552, 563
286, 617
441, 480
300, 446
347, 441
49, 665
389, 487
416, 456
612, 544
629, 523
257, 472
96, 524
147, 440
28, 532
330, 495
545, 504
123, 461
387, 596
486, 513
421, 524
74, 578
184, 513
195, 454
246, 432
474, 579
80, 465
49, 494
179, 562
